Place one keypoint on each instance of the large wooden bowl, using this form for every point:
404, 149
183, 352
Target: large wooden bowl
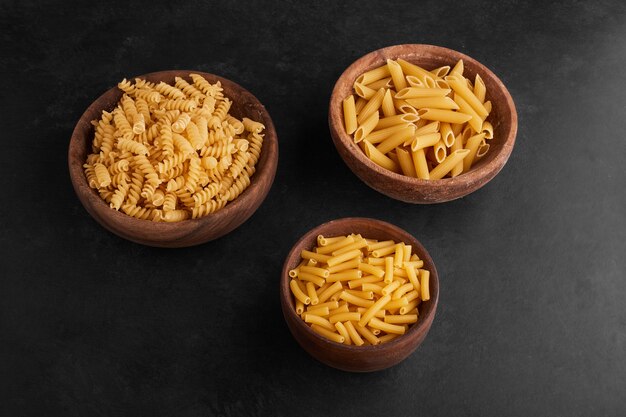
414, 190
349, 357
188, 232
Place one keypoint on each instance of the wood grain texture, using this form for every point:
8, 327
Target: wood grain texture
189, 232
414, 190
358, 358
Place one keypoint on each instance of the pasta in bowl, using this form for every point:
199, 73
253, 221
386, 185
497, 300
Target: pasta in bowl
173, 158
359, 294
421, 123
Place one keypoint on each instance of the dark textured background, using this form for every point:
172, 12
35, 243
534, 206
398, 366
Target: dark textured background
531, 320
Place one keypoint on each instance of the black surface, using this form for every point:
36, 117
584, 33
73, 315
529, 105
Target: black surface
531, 320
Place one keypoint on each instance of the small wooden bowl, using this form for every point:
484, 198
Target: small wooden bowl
188, 232
349, 357
414, 190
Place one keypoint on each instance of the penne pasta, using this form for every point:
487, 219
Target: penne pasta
404, 107
396, 139
480, 91
379, 158
366, 127
487, 130
371, 107
425, 141
387, 105
398, 119
395, 70
415, 93
364, 91
462, 90
472, 146
437, 102
405, 162
407, 97
443, 115
373, 75
476, 122
349, 114
446, 166
382, 83
441, 71
447, 135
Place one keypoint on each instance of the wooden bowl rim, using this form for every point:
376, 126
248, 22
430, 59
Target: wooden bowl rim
82, 189
413, 330
336, 113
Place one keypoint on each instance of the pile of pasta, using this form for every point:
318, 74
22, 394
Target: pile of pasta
359, 291
423, 124
172, 152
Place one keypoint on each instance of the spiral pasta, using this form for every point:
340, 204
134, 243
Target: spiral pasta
172, 152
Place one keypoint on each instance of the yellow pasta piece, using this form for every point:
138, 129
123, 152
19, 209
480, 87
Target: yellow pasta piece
424, 285
406, 319
341, 329
367, 334
354, 335
460, 87
298, 293
387, 327
418, 93
472, 146
319, 320
310, 290
371, 107
395, 70
345, 241
335, 337
396, 139
349, 114
366, 127
161, 134
435, 102
345, 303
373, 75
341, 317
379, 158
321, 272
345, 275
446, 166
330, 291
322, 311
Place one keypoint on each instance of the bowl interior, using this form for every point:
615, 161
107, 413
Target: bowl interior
371, 229
244, 104
503, 115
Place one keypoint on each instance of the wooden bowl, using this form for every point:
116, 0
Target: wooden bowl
414, 190
349, 357
188, 232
